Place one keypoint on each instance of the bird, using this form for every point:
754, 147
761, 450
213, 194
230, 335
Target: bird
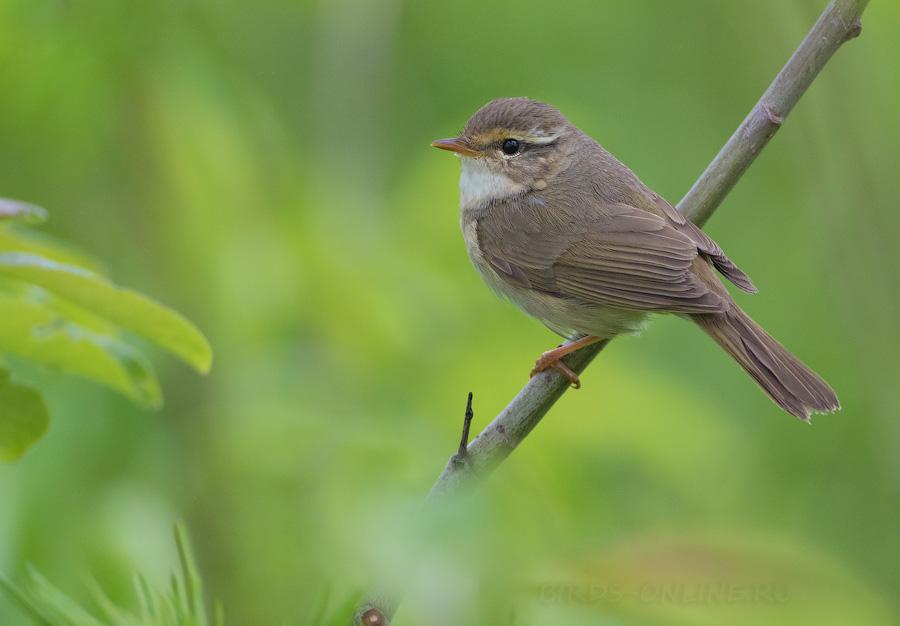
558, 226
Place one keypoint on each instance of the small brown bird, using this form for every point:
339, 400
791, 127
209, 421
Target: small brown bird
557, 225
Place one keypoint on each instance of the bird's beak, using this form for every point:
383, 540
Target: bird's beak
456, 145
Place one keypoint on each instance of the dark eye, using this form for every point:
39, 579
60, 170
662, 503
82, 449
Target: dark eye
510, 146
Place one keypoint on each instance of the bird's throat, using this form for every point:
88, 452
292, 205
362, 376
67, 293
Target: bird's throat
479, 185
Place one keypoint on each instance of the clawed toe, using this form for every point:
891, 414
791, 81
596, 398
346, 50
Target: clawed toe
552, 359
549, 360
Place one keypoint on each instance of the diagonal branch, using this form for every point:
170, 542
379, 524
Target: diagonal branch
838, 23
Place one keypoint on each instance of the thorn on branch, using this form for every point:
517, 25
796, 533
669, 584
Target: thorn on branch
854, 31
460, 456
773, 117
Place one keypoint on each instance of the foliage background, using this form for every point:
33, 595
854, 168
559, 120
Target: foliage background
264, 168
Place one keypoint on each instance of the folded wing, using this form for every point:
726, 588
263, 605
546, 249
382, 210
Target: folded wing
632, 259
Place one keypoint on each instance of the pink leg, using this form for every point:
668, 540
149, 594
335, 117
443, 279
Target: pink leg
552, 359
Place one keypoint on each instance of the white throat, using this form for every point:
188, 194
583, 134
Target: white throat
478, 185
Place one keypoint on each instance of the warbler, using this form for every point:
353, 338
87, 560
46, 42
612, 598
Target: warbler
557, 225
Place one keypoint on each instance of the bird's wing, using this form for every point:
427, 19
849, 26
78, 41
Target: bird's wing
631, 259
706, 245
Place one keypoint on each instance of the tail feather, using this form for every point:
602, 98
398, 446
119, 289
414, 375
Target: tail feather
782, 376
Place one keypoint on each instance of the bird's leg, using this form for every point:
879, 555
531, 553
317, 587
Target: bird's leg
552, 359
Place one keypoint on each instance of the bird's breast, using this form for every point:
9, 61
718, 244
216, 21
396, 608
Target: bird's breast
468, 223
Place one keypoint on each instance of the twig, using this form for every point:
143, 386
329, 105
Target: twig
460, 456
838, 23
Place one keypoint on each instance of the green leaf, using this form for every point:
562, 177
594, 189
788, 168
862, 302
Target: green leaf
25, 604
16, 238
41, 598
21, 211
23, 418
123, 307
31, 329
46, 605
192, 586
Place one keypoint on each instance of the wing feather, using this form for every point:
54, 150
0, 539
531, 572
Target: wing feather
630, 258
706, 245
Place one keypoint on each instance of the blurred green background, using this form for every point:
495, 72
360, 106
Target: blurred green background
264, 168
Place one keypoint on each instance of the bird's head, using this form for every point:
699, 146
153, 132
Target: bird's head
510, 146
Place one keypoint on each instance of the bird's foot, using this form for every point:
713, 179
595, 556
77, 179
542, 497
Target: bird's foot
548, 359
552, 359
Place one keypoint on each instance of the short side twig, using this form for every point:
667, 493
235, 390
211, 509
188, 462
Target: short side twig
467, 424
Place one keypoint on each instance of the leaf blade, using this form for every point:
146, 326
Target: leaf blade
18, 238
21, 211
23, 418
32, 330
126, 308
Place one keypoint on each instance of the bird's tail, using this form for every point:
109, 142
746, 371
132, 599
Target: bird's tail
791, 384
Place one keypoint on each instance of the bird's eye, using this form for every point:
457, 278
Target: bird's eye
510, 146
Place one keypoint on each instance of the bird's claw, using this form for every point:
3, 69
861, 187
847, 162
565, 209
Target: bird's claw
548, 359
